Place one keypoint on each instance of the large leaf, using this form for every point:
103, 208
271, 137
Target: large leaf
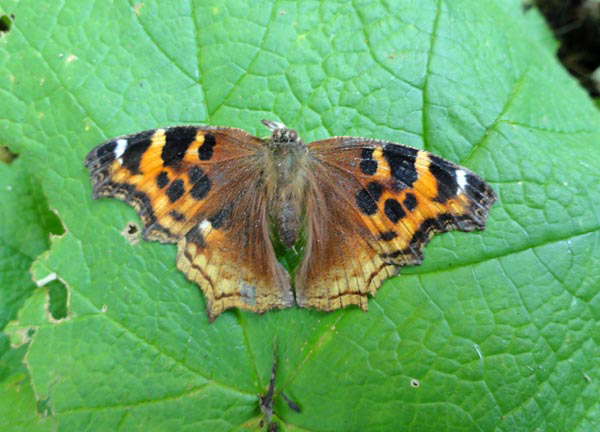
496, 330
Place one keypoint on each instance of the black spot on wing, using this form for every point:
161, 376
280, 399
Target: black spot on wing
393, 210
136, 147
366, 153
368, 165
175, 190
365, 202
219, 219
162, 179
366, 199
410, 202
200, 181
177, 141
445, 174
178, 216
195, 173
374, 190
388, 235
401, 160
205, 152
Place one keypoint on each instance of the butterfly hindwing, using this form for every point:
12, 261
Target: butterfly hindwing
199, 187
373, 207
230, 255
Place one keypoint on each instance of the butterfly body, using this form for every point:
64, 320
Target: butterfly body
287, 165
366, 207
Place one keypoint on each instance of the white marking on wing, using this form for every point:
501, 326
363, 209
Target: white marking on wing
205, 226
461, 179
120, 148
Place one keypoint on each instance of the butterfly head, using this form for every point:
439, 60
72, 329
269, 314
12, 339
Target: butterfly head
282, 137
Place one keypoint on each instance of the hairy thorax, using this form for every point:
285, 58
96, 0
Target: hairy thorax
286, 181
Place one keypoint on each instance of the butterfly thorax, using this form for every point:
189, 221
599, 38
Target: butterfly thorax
286, 169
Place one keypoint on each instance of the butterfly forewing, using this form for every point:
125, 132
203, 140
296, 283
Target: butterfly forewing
374, 206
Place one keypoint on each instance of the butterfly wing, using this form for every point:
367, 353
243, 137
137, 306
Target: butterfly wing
200, 187
372, 207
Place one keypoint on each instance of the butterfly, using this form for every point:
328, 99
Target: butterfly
362, 207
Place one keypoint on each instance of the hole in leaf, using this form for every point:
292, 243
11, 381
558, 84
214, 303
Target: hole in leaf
57, 292
54, 225
131, 232
415, 383
6, 155
6, 23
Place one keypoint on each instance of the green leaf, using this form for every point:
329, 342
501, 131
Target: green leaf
24, 234
18, 409
26, 223
497, 330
